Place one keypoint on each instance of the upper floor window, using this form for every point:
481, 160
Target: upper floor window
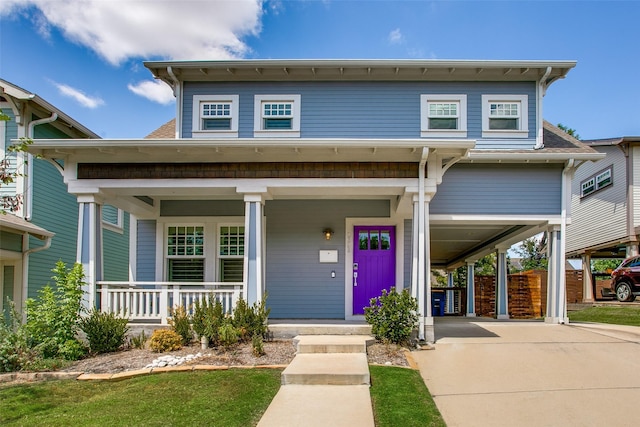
596, 182
277, 115
505, 116
215, 116
443, 115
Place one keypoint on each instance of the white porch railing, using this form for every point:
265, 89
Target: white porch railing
154, 300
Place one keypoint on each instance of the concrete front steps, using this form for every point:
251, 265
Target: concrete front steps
326, 384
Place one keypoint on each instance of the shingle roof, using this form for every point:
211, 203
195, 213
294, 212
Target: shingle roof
555, 139
166, 131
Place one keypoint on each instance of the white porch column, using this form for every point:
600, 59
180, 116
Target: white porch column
502, 297
89, 247
254, 284
631, 249
450, 303
421, 266
556, 292
471, 290
587, 279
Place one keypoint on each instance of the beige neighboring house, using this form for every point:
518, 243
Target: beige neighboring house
605, 205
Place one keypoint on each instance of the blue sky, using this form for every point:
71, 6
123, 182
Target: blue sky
85, 56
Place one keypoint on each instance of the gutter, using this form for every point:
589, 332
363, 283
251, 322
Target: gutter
541, 90
28, 208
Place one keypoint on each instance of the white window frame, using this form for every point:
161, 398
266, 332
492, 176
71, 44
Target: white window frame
198, 132
460, 100
220, 257
118, 226
595, 182
165, 242
523, 118
258, 127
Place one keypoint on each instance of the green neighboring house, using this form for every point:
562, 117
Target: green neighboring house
44, 229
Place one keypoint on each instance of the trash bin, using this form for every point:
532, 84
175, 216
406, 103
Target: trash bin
438, 302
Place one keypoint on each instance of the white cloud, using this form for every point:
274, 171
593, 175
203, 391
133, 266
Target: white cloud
79, 96
154, 90
395, 36
121, 29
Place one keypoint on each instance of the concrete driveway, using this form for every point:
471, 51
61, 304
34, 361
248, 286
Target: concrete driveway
528, 373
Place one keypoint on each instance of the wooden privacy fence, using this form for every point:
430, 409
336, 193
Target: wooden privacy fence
527, 293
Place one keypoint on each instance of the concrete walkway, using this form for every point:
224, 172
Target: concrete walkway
525, 373
326, 384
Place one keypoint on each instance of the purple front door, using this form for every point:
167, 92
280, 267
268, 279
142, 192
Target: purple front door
374, 263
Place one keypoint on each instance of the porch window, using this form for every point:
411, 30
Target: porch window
231, 253
113, 218
185, 253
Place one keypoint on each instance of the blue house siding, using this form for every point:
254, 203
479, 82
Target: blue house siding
364, 109
500, 190
146, 251
297, 284
116, 252
408, 252
56, 210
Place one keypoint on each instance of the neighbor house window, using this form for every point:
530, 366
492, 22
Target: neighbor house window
443, 115
231, 253
505, 116
112, 218
185, 254
277, 115
215, 116
596, 182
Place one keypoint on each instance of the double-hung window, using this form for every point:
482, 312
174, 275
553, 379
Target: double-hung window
443, 115
596, 182
231, 253
505, 116
215, 116
277, 116
185, 253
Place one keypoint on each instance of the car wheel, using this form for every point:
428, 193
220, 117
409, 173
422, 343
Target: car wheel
623, 292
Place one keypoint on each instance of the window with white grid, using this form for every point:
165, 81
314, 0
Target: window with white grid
443, 115
277, 115
185, 253
231, 253
505, 116
215, 116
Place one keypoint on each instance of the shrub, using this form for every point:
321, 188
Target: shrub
105, 331
392, 316
53, 317
139, 340
228, 334
257, 344
250, 321
15, 353
180, 324
163, 340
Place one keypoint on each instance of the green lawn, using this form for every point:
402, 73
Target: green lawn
400, 398
616, 315
217, 398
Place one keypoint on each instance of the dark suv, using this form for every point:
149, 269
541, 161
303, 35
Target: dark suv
625, 280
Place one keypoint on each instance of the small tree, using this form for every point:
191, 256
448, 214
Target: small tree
532, 251
392, 316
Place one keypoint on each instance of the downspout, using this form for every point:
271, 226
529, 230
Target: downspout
422, 281
27, 200
177, 92
541, 90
